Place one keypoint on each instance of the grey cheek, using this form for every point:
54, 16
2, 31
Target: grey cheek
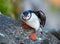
24, 17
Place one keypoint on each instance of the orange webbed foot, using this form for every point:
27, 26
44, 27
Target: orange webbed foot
33, 36
26, 26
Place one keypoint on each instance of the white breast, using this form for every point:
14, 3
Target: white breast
34, 22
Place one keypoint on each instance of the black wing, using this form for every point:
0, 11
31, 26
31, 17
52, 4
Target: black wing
42, 17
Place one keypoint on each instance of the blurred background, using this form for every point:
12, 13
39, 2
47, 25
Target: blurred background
51, 8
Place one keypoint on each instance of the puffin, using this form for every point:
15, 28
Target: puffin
34, 19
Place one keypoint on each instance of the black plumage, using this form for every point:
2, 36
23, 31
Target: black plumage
41, 16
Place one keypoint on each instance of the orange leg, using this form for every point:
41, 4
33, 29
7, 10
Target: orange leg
26, 26
33, 36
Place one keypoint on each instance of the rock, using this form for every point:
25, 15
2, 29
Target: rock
12, 32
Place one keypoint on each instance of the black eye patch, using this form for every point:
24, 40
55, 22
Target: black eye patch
25, 13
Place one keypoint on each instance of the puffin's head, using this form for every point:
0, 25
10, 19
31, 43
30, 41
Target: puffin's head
27, 15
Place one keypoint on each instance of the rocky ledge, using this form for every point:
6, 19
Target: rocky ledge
12, 32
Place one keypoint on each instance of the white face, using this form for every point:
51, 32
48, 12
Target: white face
27, 17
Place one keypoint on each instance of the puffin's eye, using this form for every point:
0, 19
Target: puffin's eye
28, 16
